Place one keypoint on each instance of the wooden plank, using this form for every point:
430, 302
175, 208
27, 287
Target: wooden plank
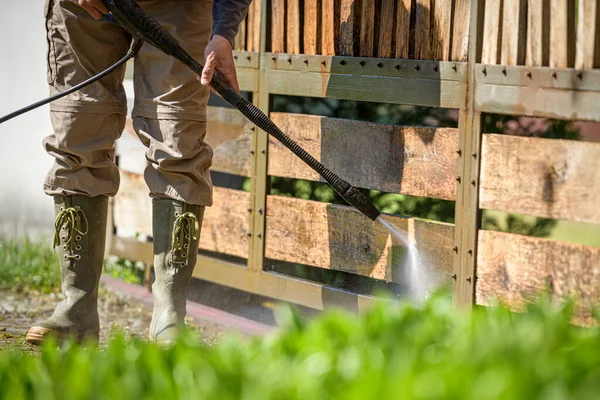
403, 9
293, 26
340, 238
422, 27
278, 26
513, 32
251, 29
386, 29
491, 30
586, 34
224, 226
328, 28
311, 41
548, 178
559, 33
460, 36
349, 31
408, 160
441, 36
533, 55
515, 269
367, 29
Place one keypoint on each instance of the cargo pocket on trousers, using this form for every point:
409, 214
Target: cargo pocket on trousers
51, 52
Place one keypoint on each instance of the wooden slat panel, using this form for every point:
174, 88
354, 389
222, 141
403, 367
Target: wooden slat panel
252, 30
441, 36
562, 35
367, 29
328, 28
513, 32
310, 26
277, 26
224, 226
544, 177
340, 238
586, 34
239, 42
514, 269
402, 28
229, 133
386, 29
408, 160
460, 36
422, 27
533, 56
293, 26
491, 29
348, 28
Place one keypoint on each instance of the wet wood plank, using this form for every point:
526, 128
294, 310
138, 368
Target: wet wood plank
491, 29
441, 36
386, 29
311, 42
367, 29
399, 159
514, 269
403, 10
293, 27
340, 238
422, 28
224, 226
349, 31
586, 34
548, 178
460, 36
278, 26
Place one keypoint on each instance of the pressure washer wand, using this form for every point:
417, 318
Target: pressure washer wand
140, 25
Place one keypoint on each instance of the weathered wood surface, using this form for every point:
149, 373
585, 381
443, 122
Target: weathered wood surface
422, 28
535, 32
543, 177
386, 29
252, 30
586, 34
514, 269
561, 33
367, 29
278, 26
398, 159
340, 238
224, 226
513, 32
329, 31
491, 30
440, 35
349, 32
311, 40
403, 10
293, 26
460, 35
239, 42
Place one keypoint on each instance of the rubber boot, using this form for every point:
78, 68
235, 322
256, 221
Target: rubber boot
176, 232
80, 235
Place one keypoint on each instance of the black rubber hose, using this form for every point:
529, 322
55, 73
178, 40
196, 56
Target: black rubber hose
133, 50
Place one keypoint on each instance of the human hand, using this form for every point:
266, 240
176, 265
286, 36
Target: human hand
94, 7
219, 56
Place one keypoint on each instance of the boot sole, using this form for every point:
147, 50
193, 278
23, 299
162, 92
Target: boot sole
37, 335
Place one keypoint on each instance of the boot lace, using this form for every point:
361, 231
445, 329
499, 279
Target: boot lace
185, 230
71, 219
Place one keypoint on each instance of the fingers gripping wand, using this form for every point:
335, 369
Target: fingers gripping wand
141, 26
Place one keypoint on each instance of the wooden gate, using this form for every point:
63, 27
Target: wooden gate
517, 57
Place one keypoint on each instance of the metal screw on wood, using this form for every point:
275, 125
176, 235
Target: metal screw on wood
418, 67
259, 235
455, 248
436, 69
249, 58
484, 71
249, 210
398, 67
306, 62
468, 279
458, 179
529, 75
473, 182
290, 60
474, 154
453, 276
343, 62
249, 234
260, 211
380, 65
324, 63
362, 63
504, 71
470, 251
454, 67
263, 151
252, 152
459, 152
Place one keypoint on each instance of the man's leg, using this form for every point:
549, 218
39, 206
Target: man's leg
170, 119
86, 125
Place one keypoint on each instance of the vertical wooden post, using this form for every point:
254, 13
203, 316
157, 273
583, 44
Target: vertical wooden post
467, 216
259, 184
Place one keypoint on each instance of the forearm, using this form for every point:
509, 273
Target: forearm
227, 16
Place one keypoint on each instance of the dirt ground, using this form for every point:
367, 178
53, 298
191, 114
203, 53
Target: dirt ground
19, 310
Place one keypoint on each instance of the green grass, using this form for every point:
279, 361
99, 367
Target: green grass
577, 232
394, 351
28, 264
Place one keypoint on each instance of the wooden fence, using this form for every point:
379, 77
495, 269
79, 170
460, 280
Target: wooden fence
517, 57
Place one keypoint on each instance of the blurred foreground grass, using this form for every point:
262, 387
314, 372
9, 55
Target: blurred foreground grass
393, 351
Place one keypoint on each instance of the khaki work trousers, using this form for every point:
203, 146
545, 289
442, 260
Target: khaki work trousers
169, 113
